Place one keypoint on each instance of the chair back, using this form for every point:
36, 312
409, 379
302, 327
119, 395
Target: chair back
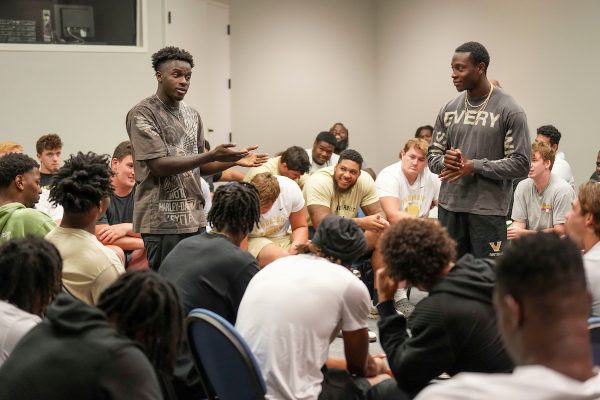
223, 357
594, 327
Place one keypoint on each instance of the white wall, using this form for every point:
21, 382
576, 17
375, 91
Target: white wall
544, 52
83, 97
298, 67
381, 67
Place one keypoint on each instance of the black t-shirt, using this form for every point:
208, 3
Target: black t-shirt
210, 272
45, 179
120, 210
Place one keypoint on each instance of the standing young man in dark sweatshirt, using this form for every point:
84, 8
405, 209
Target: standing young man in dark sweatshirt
454, 328
480, 144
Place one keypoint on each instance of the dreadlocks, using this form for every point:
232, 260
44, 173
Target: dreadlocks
30, 273
82, 182
144, 305
236, 207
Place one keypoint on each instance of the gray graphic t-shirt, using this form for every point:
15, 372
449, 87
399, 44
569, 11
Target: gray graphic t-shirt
168, 204
543, 210
496, 138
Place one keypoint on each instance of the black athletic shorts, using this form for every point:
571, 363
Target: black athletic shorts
484, 236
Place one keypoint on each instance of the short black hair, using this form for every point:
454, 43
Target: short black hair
296, 159
550, 132
146, 308
30, 271
479, 53
13, 164
539, 265
419, 129
417, 250
82, 182
170, 53
352, 155
236, 207
326, 137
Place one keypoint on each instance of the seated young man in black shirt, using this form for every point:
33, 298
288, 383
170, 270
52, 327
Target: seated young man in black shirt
210, 270
115, 228
453, 329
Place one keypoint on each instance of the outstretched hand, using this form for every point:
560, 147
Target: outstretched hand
226, 153
252, 159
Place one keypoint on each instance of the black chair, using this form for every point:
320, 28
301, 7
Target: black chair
224, 358
594, 327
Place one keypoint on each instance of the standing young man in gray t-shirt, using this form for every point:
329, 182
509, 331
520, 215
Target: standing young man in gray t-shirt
166, 134
480, 143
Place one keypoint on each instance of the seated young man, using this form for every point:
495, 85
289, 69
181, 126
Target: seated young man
113, 352
294, 308
115, 228
293, 163
543, 304
19, 192
453, 329
281, 209
30, 271
321, 154
343, 190
583, 227
49, 149
407, 188
210, 270
83, 187
542, 201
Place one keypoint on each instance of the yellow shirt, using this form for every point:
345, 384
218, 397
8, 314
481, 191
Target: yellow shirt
320, 190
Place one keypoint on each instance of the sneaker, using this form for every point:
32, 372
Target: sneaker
372, 336
404, 307
373, 312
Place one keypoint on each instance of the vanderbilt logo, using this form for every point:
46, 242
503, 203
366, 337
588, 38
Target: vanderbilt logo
496, 246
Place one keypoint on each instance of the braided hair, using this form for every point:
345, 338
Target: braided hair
30, 273
146, 308
82, 182
236, 207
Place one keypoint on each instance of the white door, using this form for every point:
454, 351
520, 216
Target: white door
200, 27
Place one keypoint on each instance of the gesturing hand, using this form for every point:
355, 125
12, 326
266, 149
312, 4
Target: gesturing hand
225, 153
253, 159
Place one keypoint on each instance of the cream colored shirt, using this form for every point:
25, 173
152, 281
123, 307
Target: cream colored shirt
88, 266
320, 190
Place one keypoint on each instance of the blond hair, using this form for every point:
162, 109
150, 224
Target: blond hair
545, 151
267, 186
589, 201
10, 147
417, 143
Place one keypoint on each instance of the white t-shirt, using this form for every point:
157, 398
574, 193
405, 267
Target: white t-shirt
415, 199
55, 211
276, 221
315, 167
591, 262
291, 312
14, 324
562, 168
207, 197
532, 382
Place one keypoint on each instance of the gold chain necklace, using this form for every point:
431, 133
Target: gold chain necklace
480, 108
